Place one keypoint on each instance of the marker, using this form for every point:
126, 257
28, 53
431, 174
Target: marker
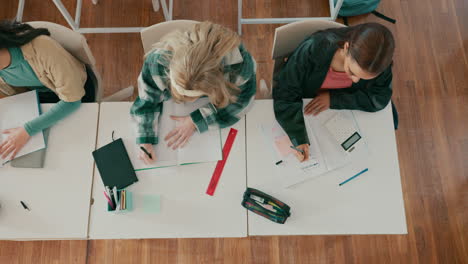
109, 200
300, 150
116, 198
24, 206
146, 152
366, 169
111, 197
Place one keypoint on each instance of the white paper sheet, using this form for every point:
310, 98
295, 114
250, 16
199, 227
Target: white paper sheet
334, 155
290, 171
325, 154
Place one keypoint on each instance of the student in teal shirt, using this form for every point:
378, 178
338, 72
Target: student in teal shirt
19, 42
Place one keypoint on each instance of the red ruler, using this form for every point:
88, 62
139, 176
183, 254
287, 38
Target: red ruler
220, 165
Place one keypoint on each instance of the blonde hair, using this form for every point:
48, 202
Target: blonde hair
196, 61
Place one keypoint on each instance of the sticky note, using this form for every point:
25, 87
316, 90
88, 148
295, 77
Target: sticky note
151, 204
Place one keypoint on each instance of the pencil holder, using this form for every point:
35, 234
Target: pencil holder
128, 202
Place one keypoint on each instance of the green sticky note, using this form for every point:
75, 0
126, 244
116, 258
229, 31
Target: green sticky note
151, 204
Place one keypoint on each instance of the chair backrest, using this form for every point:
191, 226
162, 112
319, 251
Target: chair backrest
154, 33
289, 36
76, 45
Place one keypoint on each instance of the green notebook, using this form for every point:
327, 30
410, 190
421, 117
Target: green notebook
114, 165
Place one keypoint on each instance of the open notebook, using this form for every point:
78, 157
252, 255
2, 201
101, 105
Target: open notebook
326, 153
15, 111
204, 147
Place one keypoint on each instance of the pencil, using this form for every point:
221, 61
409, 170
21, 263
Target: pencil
300, 150
146, 152
25, 206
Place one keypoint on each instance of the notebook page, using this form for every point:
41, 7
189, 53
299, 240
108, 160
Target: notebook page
165, 125
201, 147
15, 111
290, 171
334, 155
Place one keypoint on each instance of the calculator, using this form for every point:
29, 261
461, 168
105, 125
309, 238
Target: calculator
344, 130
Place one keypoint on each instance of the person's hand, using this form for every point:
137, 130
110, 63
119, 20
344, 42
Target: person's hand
17, 138
320, 103
181, 134
144, 157
302, 157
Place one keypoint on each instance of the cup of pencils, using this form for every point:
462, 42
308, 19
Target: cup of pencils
118, 201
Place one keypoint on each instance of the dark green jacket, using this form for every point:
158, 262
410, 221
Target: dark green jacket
303, 75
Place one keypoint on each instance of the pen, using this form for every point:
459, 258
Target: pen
24, 206
300, 150
366, 169
279, 162
6, 162
108, 191
116, 197
109, 194
146, 152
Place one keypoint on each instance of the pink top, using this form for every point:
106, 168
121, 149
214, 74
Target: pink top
336, 80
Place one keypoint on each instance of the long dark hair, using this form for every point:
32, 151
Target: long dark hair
371, 45
15, 34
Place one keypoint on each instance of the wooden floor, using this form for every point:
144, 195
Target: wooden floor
431, 93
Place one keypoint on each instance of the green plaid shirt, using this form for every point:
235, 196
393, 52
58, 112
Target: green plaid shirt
154, 85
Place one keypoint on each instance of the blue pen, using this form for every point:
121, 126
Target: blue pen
366, 169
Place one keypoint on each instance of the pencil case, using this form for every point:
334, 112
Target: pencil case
128, 202
265, 205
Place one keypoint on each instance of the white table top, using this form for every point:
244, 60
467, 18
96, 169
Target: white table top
186, 211
369, 204
58, 194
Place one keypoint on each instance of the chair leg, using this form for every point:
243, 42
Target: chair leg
120, 95
155, 5
264, 91
167, 11
19, 14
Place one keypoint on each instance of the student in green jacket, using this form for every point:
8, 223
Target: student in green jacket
341, 68
31, 60
207, 60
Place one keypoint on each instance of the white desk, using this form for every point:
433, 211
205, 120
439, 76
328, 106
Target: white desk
186, 211
58, 194
370, 204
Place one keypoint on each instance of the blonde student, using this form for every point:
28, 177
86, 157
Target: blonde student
341, 68
31, 60
208, 60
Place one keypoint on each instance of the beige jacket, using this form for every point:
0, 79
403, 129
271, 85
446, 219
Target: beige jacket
57, 69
